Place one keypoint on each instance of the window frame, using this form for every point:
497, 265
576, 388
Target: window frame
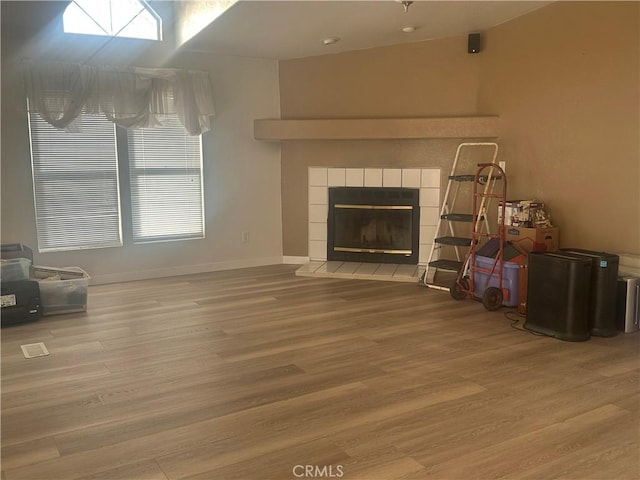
125, 193
145, 8
40, 212
167, 171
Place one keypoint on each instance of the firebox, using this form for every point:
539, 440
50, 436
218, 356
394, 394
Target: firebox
380, 225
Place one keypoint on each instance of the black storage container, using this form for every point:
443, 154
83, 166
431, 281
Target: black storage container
20, 302
558, 287
15, 250
602, 297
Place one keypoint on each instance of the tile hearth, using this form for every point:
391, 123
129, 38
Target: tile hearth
361, 271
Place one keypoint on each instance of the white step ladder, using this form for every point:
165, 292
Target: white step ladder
453, 215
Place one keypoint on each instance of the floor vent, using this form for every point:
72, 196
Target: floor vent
33, 350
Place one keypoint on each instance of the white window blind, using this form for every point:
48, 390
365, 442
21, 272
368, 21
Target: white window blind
165, 172
75, 182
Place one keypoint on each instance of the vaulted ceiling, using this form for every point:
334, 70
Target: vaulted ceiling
293, 29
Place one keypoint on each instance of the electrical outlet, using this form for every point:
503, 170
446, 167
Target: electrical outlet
245, 237
503, 166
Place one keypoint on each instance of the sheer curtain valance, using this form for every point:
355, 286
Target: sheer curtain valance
130, 97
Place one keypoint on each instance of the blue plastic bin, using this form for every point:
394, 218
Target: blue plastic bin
509, 279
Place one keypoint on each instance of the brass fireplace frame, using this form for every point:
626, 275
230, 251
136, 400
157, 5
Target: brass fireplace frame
378, 199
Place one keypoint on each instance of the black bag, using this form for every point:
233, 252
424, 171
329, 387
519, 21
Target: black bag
20, 302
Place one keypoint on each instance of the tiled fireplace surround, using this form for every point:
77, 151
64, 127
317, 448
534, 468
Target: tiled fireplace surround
321, 178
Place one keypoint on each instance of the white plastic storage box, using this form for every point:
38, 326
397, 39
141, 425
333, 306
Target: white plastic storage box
14, 269
509, 279
62, 290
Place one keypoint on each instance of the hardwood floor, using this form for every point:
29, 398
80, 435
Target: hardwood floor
257, 373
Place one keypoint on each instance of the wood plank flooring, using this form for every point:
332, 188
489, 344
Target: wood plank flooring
258, 374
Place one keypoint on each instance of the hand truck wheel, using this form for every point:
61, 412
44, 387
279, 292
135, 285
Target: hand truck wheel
459, 289
492, 298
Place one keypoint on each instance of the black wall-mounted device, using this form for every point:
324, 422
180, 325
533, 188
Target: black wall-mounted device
473, 43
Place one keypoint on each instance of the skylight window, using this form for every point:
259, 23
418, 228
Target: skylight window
113, 18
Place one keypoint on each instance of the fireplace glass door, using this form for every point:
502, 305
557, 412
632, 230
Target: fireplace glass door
373, 229
378, 225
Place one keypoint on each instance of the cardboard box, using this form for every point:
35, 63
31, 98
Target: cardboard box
534, 239
519, 213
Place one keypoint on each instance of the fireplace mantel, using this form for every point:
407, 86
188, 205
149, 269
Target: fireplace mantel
469, 127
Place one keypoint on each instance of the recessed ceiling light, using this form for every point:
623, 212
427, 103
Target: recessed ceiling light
330, 40
409, 29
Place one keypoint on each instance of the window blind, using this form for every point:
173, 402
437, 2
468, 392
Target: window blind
75, 183
165, 172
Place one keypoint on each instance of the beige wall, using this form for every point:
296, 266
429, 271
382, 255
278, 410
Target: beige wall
241, 175
564, 80
436, 78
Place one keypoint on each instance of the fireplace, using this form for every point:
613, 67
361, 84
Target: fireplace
380, 224
321, 179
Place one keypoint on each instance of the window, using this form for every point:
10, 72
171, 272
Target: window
165, 173
113, 18
75, 184
77, 193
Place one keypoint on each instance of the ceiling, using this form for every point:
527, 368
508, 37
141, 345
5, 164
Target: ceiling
294, 29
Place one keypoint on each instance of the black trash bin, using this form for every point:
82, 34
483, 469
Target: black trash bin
558, 295
602, 296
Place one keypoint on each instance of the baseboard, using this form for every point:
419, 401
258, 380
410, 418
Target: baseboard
629, 264
183, 270
289, 260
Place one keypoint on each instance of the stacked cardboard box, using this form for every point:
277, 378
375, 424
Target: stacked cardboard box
520, 213
534, 239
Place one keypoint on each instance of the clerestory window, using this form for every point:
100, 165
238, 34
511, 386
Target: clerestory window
113, 18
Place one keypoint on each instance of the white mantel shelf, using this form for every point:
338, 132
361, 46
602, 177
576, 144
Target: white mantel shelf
376, 128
